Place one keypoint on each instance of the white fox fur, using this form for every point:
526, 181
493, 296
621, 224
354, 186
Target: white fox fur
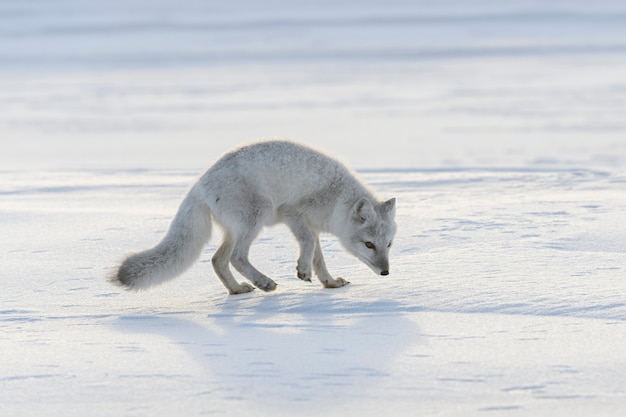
261, 185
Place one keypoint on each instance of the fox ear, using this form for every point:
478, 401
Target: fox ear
363, 210
389, 206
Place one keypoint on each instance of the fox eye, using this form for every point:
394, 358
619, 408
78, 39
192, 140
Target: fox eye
370, 245
389, 245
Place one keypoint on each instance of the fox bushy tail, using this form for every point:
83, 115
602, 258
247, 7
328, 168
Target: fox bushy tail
189, 231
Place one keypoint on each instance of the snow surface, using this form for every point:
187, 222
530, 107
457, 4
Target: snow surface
499, 127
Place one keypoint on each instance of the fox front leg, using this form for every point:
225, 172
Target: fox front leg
306, 241
319, 265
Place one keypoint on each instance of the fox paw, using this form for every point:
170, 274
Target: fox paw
304, 275
335, 283
242, 289
266, 286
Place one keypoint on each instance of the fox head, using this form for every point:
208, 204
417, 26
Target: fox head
370, 231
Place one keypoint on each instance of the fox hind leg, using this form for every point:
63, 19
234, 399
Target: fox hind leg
242, 264
220, 263
243, 241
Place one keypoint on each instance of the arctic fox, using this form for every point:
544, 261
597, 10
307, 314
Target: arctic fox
261, 185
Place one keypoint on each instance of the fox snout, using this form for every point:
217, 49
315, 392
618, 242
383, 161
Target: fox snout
382, 267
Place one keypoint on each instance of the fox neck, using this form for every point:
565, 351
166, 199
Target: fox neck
341, 217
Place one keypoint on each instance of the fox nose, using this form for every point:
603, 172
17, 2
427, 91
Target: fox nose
385, 272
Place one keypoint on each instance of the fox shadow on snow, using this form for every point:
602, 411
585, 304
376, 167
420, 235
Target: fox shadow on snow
289, 348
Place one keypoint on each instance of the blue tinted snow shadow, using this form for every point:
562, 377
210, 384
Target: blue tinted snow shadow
286, 355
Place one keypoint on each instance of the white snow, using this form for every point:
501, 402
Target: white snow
498, 126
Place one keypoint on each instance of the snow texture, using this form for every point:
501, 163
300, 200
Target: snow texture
498, 126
